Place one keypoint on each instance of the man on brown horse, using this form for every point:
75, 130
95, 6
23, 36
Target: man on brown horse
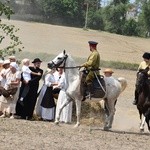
143, 65
92, 63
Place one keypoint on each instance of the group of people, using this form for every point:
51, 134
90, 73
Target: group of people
29, 98
19, 87
24, 95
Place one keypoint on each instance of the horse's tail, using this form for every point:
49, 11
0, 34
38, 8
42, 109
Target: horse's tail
123, 83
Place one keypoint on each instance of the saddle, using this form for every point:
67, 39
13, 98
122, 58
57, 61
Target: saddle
98, 86
7, 93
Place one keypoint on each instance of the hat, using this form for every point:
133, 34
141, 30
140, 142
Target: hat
108, 70
14, 65
12, 57
6, 62
92, 42
36, 60
146, 55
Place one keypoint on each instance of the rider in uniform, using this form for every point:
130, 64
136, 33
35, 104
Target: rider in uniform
143, 65
92, 64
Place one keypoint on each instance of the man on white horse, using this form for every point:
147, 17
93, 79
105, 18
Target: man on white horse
92, 63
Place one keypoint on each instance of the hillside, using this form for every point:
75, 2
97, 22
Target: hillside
52, 39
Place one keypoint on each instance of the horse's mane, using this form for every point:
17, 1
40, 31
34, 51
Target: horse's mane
71, 63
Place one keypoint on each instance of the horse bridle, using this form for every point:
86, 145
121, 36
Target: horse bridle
61, 62
64, 64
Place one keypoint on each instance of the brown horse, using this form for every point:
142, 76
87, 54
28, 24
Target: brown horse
143, 105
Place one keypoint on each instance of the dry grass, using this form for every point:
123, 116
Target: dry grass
51, 39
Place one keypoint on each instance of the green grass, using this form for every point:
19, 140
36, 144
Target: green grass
119, 65
105, 64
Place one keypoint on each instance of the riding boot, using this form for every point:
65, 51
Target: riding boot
136, 98
84, 90
90, 90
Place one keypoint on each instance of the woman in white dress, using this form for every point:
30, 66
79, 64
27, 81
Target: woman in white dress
45, 107
4, 71
66, 114
8, 104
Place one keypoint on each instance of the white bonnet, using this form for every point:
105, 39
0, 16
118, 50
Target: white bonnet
6, 62
14, 65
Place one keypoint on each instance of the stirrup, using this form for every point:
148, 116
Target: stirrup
89, 96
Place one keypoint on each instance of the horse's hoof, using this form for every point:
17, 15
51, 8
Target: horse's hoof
56, 123
141, 130
77, 125
106, 128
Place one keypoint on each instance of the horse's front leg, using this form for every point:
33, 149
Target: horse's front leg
148, 123
142, 124
60, 110
78, 112
147, 116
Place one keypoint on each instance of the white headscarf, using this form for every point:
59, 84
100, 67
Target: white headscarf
14, 65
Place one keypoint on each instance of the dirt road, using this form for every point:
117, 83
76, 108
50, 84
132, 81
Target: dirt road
31, 135
125, 135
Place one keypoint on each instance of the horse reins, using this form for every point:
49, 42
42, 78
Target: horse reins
64, 60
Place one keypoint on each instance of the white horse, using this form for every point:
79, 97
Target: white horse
113, 88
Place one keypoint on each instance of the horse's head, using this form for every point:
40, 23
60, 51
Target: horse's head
58, 61
142, 78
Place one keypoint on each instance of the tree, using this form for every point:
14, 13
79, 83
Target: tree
68, 12
95, 20
146, 16
131, 28
116, 20
115, 17
8, 33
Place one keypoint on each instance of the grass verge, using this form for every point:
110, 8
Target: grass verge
105, 64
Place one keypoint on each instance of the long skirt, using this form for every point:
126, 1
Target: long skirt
66, 114
8, 105
45, 107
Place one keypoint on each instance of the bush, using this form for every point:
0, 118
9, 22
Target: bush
131, 28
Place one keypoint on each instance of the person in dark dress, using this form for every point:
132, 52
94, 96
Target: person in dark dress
45, 107
26, 110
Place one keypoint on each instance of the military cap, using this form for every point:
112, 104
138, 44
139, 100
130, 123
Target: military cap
92, 42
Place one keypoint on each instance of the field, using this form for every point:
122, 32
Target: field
50, 39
